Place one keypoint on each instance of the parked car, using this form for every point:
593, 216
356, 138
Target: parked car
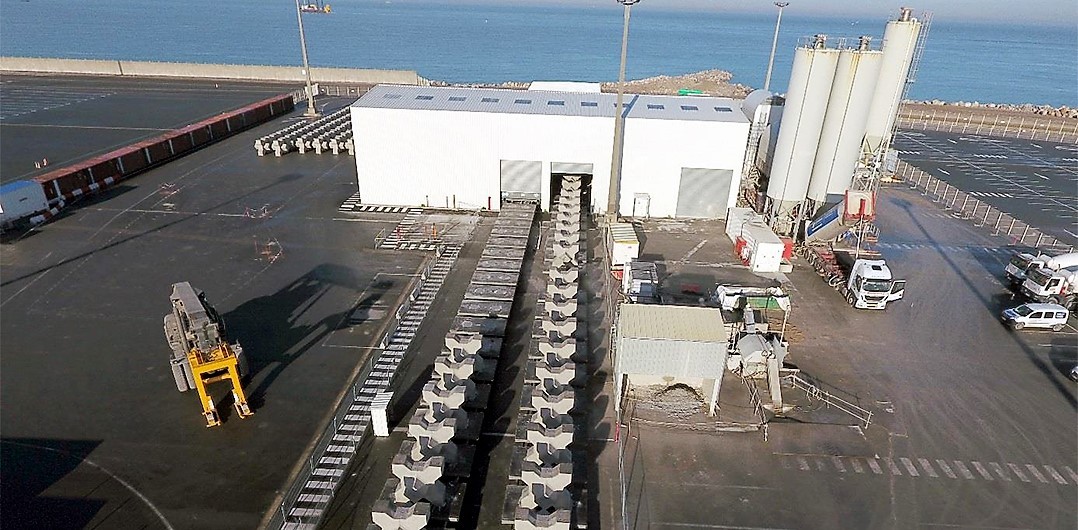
1051, 316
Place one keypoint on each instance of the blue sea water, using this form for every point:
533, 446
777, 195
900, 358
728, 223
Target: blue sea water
963, 61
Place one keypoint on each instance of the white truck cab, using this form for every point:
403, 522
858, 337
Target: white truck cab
870, 285
1049, 316
1022, 263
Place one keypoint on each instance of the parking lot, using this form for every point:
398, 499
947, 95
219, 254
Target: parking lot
1033, 180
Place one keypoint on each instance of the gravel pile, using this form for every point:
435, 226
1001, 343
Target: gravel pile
678, 401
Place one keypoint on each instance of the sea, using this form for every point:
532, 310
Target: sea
458, 43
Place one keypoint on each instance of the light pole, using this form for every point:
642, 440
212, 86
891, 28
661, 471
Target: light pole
312, 111
774, 43
619, 121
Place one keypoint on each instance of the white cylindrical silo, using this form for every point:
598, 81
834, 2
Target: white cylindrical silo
899, 43
845, 120
802, 120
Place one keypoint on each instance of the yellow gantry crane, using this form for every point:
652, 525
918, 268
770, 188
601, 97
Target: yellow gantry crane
201, 353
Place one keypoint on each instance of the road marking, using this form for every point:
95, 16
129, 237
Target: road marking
838, 464
966, 473
999, 471
1073, 475
946, 468
1041, 176
693, 251
952, 141
980, 469
910, 468
892, 467
1036, 473
857, 466
1055, 474
802, 463
875, 466
927, 467
944, 171
1018, 472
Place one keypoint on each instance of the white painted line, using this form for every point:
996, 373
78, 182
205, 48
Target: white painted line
910, 468
1036, 473
1018, 471
944, 171
1073, 475
875, 466
966, 473
980, 469
1055, 474
802, 463
946, 468
893, 468
927, 466
857, 466
952, 141
1041, 176
838, 464
999, 471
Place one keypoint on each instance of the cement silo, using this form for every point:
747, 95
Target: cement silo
799, 131
899, 43
845, 121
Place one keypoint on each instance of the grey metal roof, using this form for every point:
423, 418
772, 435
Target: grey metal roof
461, 99
681, 323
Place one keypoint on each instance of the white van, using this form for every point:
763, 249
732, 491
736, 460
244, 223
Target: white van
1036, 316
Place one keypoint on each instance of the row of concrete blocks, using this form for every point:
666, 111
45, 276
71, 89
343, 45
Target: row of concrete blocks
546, 469
335, 141
450, 411
283, 141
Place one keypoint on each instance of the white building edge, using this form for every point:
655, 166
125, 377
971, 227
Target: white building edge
469, 148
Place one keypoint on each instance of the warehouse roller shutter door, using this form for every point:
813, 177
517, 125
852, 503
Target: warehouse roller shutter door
522, 180
703, 193
571, 168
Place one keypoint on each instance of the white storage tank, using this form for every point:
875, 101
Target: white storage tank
899, 43
802, 120
844, 123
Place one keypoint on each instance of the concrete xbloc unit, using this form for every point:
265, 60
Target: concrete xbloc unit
432, 467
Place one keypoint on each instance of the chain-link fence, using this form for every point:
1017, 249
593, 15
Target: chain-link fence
988, 123
965, 206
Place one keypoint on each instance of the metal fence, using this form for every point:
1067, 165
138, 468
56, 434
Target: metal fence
1042, 128
965, 206
283, 516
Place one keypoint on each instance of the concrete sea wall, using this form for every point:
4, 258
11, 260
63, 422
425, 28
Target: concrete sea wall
209, 71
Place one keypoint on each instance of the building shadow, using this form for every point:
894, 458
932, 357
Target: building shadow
31, 466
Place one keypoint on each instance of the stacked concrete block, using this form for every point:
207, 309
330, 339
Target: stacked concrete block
445, 425
331, 132
541, 497
552, 395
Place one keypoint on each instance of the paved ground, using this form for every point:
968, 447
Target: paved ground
72, 118
973, 424
1033, 180
94, 433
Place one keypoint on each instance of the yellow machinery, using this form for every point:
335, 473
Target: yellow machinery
201, 354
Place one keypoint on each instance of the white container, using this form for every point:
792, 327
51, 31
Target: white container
624, 245
764, 246
380, 413
20, 199
735, 221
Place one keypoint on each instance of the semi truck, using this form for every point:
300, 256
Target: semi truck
862, 276
1023, 262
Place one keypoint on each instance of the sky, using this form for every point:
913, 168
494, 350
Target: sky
1023, 11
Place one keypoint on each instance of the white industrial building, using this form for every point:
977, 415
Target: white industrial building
470, 148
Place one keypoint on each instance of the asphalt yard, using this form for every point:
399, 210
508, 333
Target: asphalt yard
94, 432
1033, 180
68, 119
